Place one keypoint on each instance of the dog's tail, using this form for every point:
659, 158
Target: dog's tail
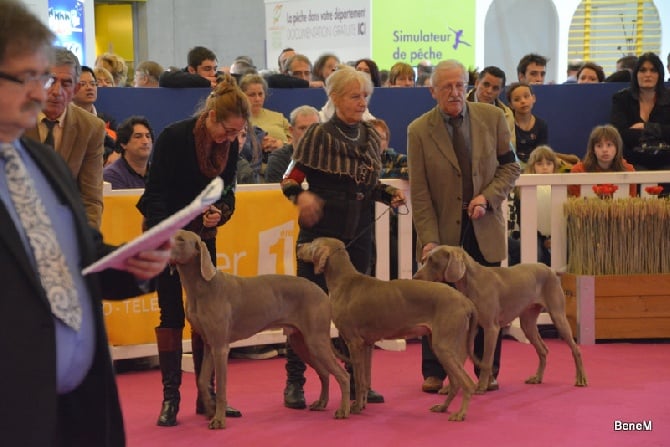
472, 333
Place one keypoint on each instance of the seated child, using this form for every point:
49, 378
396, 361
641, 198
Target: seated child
530, 130
604, 153
542, 160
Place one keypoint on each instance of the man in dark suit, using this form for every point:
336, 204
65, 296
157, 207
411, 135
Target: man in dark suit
459, 184
58, 386
78, 136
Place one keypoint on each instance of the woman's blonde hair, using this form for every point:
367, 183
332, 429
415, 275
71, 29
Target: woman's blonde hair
338, 81
116, 66
541, 153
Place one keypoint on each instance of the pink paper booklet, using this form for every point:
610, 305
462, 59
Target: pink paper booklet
155, 236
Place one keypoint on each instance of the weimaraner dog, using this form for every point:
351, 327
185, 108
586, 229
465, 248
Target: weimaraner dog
225, 308
501, 294
366, 310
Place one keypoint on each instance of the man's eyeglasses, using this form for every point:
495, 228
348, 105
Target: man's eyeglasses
44, 80
89, 83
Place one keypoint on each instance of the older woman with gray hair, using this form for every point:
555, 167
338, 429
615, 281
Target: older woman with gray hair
340, 160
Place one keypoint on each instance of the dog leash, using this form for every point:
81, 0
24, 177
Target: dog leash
367, 227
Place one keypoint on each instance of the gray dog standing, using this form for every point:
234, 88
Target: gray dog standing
367, 309
501, 294
225, 308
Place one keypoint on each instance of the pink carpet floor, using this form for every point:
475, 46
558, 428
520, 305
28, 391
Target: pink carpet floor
628, 382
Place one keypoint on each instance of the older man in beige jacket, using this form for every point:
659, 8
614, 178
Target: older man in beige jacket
461, 169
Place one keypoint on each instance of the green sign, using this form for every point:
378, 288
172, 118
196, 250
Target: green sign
433, 30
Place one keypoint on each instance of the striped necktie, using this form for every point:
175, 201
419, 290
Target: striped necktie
51, 266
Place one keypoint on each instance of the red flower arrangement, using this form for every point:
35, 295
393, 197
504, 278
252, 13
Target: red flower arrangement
605, 191
654, 190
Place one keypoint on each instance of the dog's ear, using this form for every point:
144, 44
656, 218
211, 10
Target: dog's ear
454, 269
320, 258
207, 269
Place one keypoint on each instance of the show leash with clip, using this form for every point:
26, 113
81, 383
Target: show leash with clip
395, 210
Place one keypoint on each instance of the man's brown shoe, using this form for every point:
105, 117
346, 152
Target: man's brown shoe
431, 384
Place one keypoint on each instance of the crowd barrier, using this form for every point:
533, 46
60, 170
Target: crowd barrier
260, 238
571, 110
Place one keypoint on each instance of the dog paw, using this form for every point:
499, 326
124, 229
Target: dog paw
444, 390
534, 380
217, 424
440, 408
317, 405
457, 417
581, 382
356, 409
341, 414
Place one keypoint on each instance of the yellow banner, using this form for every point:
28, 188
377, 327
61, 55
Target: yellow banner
259, 239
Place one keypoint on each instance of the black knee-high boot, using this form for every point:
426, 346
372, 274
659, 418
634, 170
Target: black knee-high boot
169, 357
198, 350
294, 395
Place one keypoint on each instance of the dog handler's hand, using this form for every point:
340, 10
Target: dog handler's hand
310, 208
149, 263
477, 207
211, 217
398, 199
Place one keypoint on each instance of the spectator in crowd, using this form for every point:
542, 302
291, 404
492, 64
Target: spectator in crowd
278, 161
134, 138
147, 74
532, 69
370, 67
242, 66
324, 66
103, 77
384, 77
641, 114
285, 54
487, 89
200, 71
423, 80
59, 386
604, 153
116, 65
75, 134
573, 68
85, 96
394, 165
461, 170
590, 73
401, 75
298, 74
543, 160
530, 130
624, 68
424, 67
273, 123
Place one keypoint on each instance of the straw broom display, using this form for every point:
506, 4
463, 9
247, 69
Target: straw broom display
618, 236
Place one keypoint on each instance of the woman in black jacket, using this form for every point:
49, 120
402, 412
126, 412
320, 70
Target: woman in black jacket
641, 114
186, 157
